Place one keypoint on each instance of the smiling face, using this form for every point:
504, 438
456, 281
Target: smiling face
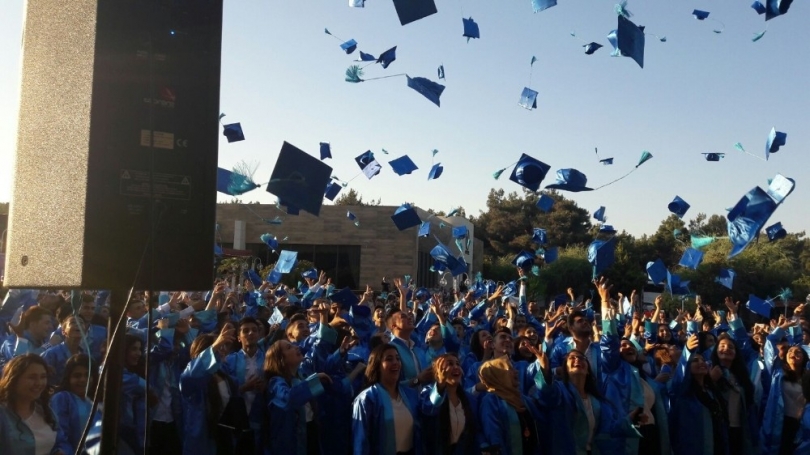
291, 354
31, 384
576, 364
664, 334
299, 331
434, 333
449, 370
78, 380
133, 354
402, 322
628, 351
390, 366
796, 358
726, 351
698, 366
503, 345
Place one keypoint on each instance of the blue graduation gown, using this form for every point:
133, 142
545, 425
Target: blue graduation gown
234, 366
132, 412
56, 357
196, 435
286, 433
373, 421
804, 433
774, 412
430, 405
17, 439
72, 412
500, 425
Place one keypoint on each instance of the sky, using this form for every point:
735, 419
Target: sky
283, 80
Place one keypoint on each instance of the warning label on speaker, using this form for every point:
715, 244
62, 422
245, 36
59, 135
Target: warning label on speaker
159, 140
165, 186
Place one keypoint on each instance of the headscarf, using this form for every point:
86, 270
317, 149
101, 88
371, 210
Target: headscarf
496, 375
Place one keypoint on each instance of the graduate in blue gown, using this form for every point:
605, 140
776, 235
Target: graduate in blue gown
132, 412
35, 327
804, 430
70, 403
385, 418
57, 356
449, 413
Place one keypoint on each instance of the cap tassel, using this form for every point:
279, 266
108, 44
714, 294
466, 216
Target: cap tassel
621, 10
497, 174
354, 74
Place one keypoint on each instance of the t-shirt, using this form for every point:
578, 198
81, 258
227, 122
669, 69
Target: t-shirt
457, 421
403, 425
44, 435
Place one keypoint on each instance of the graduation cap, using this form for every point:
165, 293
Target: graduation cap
657, 271
254, 277
607, 229
700, 15
776, 139
528, 99
606, 161
326, 151
714, 156
726, 278
345, 298
545, 203
524, 260
539, 236
590, 48
628, 40
270, 241
387, 57
509, 289
233, 132
234, 183
441, 72
599, 214
749, 215
441, 254
403, 165
412, 10
352, 217
772, 8
368, 164
678, 206
776, 232
312, 274
273, 277
424, 229
299, 179
357, 3
286, 261
470, 29
676, 286
460, 232
691, 258
759, 306
435, 171
550, 255
460, 266
405, 217
349, 46
570, 180
601, 254
429, 89
529, 172
332, 190
541, 5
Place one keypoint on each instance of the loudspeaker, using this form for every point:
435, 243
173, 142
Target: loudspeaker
117, 145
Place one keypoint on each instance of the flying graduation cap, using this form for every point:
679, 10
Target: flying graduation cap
326, 150
528, 98
550, 255
545, 203
691, 258
775, 232
412, 10
606, 161
657, 271
539, 236
429, 89
628, 40
678, 206
570, 180
368, 164
589, 48
299, 179
772, 8
470, 29
270, 240
749, 215
776, 139
352, 217
348, 46
702, 15
541, 5
524, 260
406, 217
234, 183
601, 254
435, 171
528, 172
725, 278
714, 156
599, 214
403, 165
332, 190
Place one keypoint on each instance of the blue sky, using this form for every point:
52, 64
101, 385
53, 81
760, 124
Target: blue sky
282, 78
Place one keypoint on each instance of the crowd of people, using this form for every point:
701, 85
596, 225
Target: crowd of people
264, 369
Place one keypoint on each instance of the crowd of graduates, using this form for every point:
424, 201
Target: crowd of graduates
264, 369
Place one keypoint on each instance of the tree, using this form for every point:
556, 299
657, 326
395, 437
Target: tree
352, 197
717, 225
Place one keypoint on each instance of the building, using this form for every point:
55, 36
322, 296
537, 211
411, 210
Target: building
352, 255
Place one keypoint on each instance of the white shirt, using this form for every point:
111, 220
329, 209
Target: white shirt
403, 425
793, 398
224, 393
734, 401
251, 371
586, 403
44, 435
457, 421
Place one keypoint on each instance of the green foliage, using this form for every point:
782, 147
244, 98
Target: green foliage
352, 197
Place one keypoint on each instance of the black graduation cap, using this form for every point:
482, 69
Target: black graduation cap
413, 10
299, 179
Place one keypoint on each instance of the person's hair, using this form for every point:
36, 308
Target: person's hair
374, 367
517, 356
475, 345
289, 311
794, 375
458, 321
703, 338
737, 368
573, 316
248, 320
78, 361
590, 382
33, 314
502, 330
215, 405
444, 416
12, 372
375, 340
201, 343
274, 363
129, 341
297, 317
134, 302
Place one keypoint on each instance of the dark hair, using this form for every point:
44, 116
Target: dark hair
129, 341
375, 340
573, 316
737, 368
444, 418
78, 361
11, 376
517, 356
297, 317
248, 320
375, 363
703, 338
33, 314
274, 363
475, 345
590, 382
791, 375
289, 311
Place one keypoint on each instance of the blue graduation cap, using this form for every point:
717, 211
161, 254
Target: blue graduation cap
429, 89
424, 229
441, 71
460, 266
726, 278
326, 151
749, 215
759, 306
545, 203
442, 255
541, 5
357, 3
776, 139
412, 10
691, 258
528, 98
286, 261
349, 46
570, 180
387, 57
550, 255
435, 171
657, 271
676, 286
628, 40
299, 179
273, 277
332, 191
601, 254
233, 132
217, 250
270, 241
606, 161
254, 277
776, 232
405, 217
368, 164
352, 217
700, 15
312, 274
509, 289
460, 232
345, 298
772, 8
599, 214
607, 229
539, 236
714, 156
590, 48
678, 206
403, 165
524, 260
470, 29
529, 172
233, 183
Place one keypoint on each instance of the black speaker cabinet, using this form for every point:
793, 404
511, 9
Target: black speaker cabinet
116, 145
